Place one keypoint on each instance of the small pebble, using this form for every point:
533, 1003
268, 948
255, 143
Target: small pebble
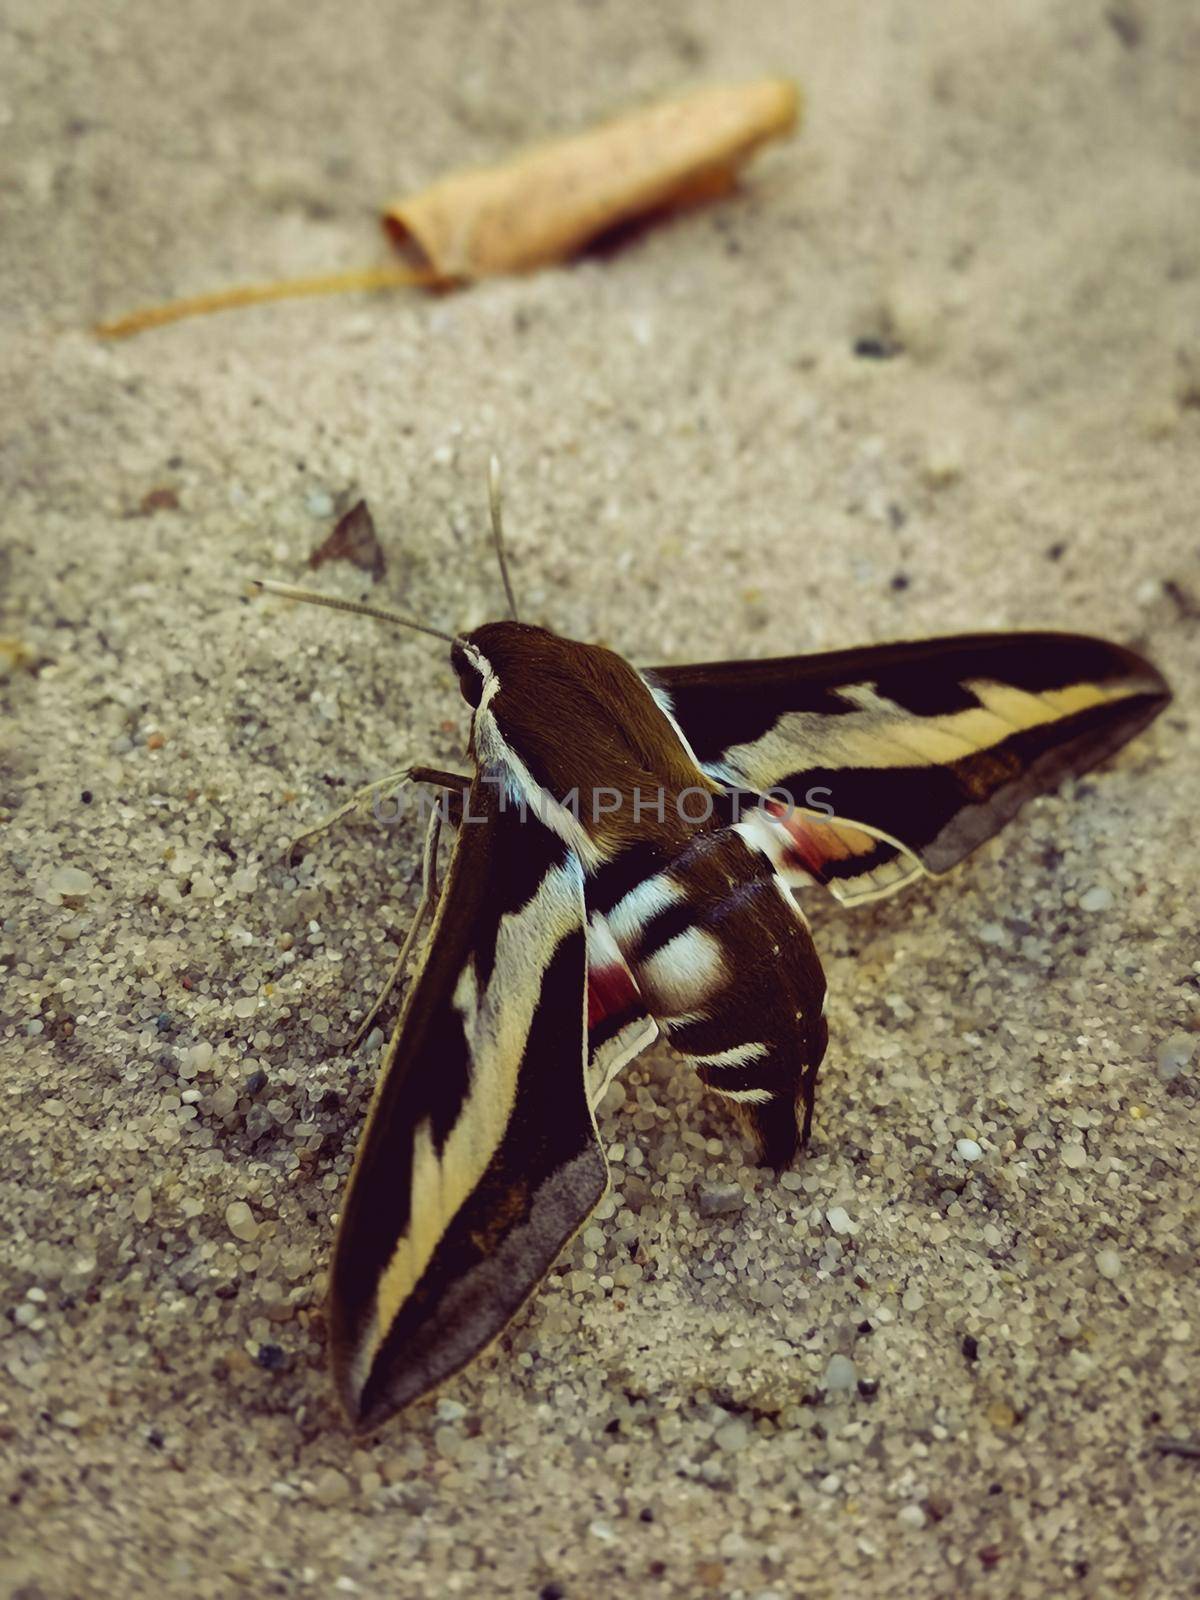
838, 1219
912, 1299
240, 1220
330, 1488
142, 1205
1074, 1156
839, 1375
1001, 1415
732, 1436
1108, 1264
224, 1099
71, 881
719, 1199
943, 464
1175, 1055
318, 504
1096, 899
968, 1150
911, 1516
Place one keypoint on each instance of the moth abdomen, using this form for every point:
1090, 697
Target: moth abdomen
724, 962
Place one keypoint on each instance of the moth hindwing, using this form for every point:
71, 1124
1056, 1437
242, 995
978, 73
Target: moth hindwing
624, 866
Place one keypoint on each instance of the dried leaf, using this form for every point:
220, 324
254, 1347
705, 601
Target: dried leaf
353, 539
548, 203
553, 200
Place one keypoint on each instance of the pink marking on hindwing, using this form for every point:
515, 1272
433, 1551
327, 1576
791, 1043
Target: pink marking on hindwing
811, 844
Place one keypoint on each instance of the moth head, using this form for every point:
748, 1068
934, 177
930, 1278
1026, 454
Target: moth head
472, 670
511, 652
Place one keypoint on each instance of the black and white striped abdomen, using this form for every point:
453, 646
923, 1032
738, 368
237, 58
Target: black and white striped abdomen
726, 966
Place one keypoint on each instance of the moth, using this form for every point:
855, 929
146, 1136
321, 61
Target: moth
627, 851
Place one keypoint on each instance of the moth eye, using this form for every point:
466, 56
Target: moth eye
470, 679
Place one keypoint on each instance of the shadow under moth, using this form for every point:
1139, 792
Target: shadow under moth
625, 860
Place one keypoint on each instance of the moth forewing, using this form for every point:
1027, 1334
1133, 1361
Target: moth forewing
929, 747
480, 1156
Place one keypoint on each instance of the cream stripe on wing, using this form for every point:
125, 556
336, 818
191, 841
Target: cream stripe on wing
496, 1024
667, 706
494, 750
881, 735
633, 1038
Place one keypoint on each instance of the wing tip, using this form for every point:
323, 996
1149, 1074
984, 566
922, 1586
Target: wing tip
343, 1361
374, 1380
365, 1405
1142, 678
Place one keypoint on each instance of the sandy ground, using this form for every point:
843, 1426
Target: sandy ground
698, 465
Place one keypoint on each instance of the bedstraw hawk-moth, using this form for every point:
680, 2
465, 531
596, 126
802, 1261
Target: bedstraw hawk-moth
625, 864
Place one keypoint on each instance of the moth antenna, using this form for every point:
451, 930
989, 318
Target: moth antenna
498, 534
288, 591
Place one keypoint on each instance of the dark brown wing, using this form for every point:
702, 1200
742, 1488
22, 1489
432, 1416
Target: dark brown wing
479, 1158
927, 748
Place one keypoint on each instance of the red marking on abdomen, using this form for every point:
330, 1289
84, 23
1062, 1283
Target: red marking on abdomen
610, 989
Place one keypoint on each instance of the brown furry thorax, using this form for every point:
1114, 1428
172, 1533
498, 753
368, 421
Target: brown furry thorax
578, 715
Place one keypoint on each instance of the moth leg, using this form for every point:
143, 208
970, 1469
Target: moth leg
391, 782
453, 783
429, 894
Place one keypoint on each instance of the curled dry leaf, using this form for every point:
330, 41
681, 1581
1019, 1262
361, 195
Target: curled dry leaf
553, 200
549, 202
353, 539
